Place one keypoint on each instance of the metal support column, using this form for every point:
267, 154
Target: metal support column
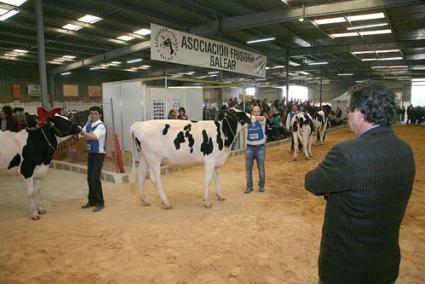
41, 54
321, 86
166, 98
287, 77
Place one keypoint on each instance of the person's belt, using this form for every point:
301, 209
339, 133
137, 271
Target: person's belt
258, 145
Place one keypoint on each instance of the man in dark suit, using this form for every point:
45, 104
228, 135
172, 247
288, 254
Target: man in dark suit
367, 183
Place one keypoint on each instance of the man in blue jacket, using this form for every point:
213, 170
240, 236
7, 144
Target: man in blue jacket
95, 134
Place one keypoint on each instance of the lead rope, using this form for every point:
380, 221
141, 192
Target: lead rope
47, 140
234, 136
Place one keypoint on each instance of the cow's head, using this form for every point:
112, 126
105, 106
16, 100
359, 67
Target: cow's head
62, 126
238, 116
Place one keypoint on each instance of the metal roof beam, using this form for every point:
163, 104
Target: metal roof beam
342, 48
102, 57
292, 14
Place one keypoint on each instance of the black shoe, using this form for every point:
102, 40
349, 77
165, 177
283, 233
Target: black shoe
88, 205
261, 189
97, 208
248, 190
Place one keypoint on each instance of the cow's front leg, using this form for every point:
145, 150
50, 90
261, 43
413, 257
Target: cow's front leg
295, 139
209, 171
218, 185
29, 182
40, 209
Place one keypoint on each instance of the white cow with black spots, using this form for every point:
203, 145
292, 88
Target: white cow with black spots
29, 152
184, 142
320, 125
302, 132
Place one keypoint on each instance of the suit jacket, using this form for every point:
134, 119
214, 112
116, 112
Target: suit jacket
368, 181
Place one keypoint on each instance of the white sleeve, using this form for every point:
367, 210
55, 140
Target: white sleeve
99, 131
288, 121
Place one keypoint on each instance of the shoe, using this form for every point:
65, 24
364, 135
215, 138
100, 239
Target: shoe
248, 190
261, 189
97, 208
88, 205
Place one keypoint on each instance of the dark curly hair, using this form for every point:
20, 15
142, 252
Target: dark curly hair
375, 101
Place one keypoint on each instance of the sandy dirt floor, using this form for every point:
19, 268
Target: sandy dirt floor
270, 237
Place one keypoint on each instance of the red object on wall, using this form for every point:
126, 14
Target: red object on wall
16, 91
44, 114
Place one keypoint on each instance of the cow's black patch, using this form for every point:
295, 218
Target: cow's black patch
165, 130
138, 145
189, 136
229, 129
15, 161
194, 121
207, 144
295, 126
187, 127
37, 150
219, 140
179, 140
191, 140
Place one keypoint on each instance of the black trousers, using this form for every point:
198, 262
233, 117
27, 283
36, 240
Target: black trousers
94, 168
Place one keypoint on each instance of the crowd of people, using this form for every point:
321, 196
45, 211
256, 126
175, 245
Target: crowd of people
415, 115
16, 119
276, 114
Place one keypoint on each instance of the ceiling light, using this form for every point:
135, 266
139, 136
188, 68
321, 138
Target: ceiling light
130, 70
299, 41
69, 56
363, 52
418, 80
145, 66
292, 63
376, 32
2, 11
303, 73
16, 3
65, 73
12, 54
390, 58
369, 59
143, 32
55, 62
277, 67
367, 26
116, 41
8, 57
364, 17
345, 74
388, 50
359, 81
318, 63
134, 60
9, 14
344, 34
214, 72
125, 37
261, 40
89, 19
115, 63
330, 21
72, 27
96, 68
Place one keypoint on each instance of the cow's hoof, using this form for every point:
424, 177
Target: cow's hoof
145, 203
295, 158
35, 217
167, 206
207, 205
220, 198
41, 211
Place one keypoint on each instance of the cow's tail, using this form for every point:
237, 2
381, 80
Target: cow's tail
135, 160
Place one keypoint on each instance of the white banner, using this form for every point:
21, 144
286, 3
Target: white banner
183, 48
33, 90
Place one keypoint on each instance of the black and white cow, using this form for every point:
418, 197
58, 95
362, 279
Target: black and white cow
302, 132
320, 124
184, 142
29, 152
